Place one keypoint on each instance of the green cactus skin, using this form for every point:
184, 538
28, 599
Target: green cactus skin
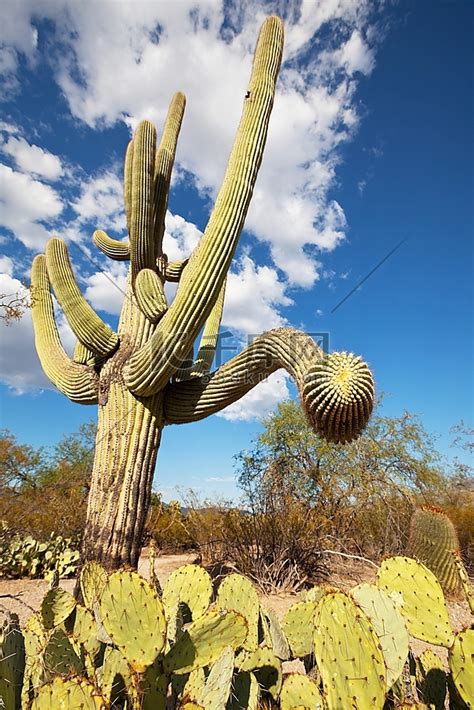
12, 663
299, 691
190, 585
131, 374
461, 657
35, 640
153, 688
93, 579
134, 618
65, 694
266, 667
190, 686
115, 675
298, 626
432, 541
389, 626
245, 692
205, 639
273, 634
56, 606
60, 656
84, 630
236, 593
219, 682
431, 679
464, 579
348, 655
423, 606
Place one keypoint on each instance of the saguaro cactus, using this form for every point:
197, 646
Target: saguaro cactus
136, 376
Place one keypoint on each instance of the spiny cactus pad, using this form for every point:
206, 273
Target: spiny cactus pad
237, 593
245, 692
273, 634
93, 579
190, 585
298, 625
60, 656
388, 624
433, 539
115, 675
423, 605
266, 668
461, 663
339, 393
205, 639
348, 655
134, 618
299, 691
64, 694
12, 663
219, 681
57, 605
431, 679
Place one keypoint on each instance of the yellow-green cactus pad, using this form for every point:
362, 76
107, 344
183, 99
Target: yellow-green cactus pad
204, 641
219, 682
298, 626
388, 624
56, 606
348, 655
93, 579
461, 663
134, 618
190, 585
238, 594
245, 692
431, 679
60, 655
266, 667
299, 691
66, 694
423, 604
273, 635
12, 664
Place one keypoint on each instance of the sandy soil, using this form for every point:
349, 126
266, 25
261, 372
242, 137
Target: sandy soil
23, 596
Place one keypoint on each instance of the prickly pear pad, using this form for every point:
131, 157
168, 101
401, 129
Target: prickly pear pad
423, 604
191, 585
93, 580
348, 655
56, 607
66, 694
134, 618
431, 678
236, 593
266, 668
461, 657
245, 692
298, 625
299, 691
389, 625
219, 682
203, 642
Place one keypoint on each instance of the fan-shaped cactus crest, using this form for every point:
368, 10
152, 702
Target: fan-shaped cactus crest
136, 375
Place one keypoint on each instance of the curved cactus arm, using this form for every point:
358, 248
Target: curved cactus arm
87, 326
337, 392
78, 382
150, 295
174, 270
127, 183
163, 166
209, 338
150, 368
140, 196
85, 356
113, 248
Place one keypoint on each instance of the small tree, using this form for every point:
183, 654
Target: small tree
138, 376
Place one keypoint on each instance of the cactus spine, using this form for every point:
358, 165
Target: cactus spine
131, 374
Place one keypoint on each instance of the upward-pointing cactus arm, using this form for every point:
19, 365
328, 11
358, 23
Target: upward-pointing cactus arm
336, 391
150, 368
78, 382
87, 326
210, 336
174, 270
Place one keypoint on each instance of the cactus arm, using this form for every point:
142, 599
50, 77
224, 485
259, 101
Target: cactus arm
78, 382
150, 368
85, 356
87, 326
165, 156
142, 248
113, 248
127, 183
210, 336
150, 295
174, 270
337, 392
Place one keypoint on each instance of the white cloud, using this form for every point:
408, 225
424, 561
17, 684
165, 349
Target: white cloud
26, 205
32, 158
105, 289
101, 202
260, 401
181, 237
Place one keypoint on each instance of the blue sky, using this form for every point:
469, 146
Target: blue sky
370, 144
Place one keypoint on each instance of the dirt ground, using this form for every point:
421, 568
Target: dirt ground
23, 596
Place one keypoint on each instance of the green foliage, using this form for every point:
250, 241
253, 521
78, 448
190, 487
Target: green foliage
27, 557
351, 646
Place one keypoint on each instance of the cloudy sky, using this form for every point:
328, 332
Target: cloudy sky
368, 160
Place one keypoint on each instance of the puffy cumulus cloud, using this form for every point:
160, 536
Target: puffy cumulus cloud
33, 159
181, 237
100, 202
253, 295
259, 402
28, 207
105, 289
20, 368
123, 61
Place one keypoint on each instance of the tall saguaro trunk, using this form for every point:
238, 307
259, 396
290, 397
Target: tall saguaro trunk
137, 375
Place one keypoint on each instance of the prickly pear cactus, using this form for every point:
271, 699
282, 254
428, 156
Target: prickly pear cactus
348, 655
388, 624
464, 579
61, 657
218, 685
461, 657
237, 593
64, 694
423, 606
265, 666
134, 618
57, 605
299, 691
431, 679
298, 626
433, 539
273, 635
186, 597
245, 692
93, 579
12, 663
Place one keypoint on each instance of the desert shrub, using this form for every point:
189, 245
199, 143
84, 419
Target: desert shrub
27, 557
166, 525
